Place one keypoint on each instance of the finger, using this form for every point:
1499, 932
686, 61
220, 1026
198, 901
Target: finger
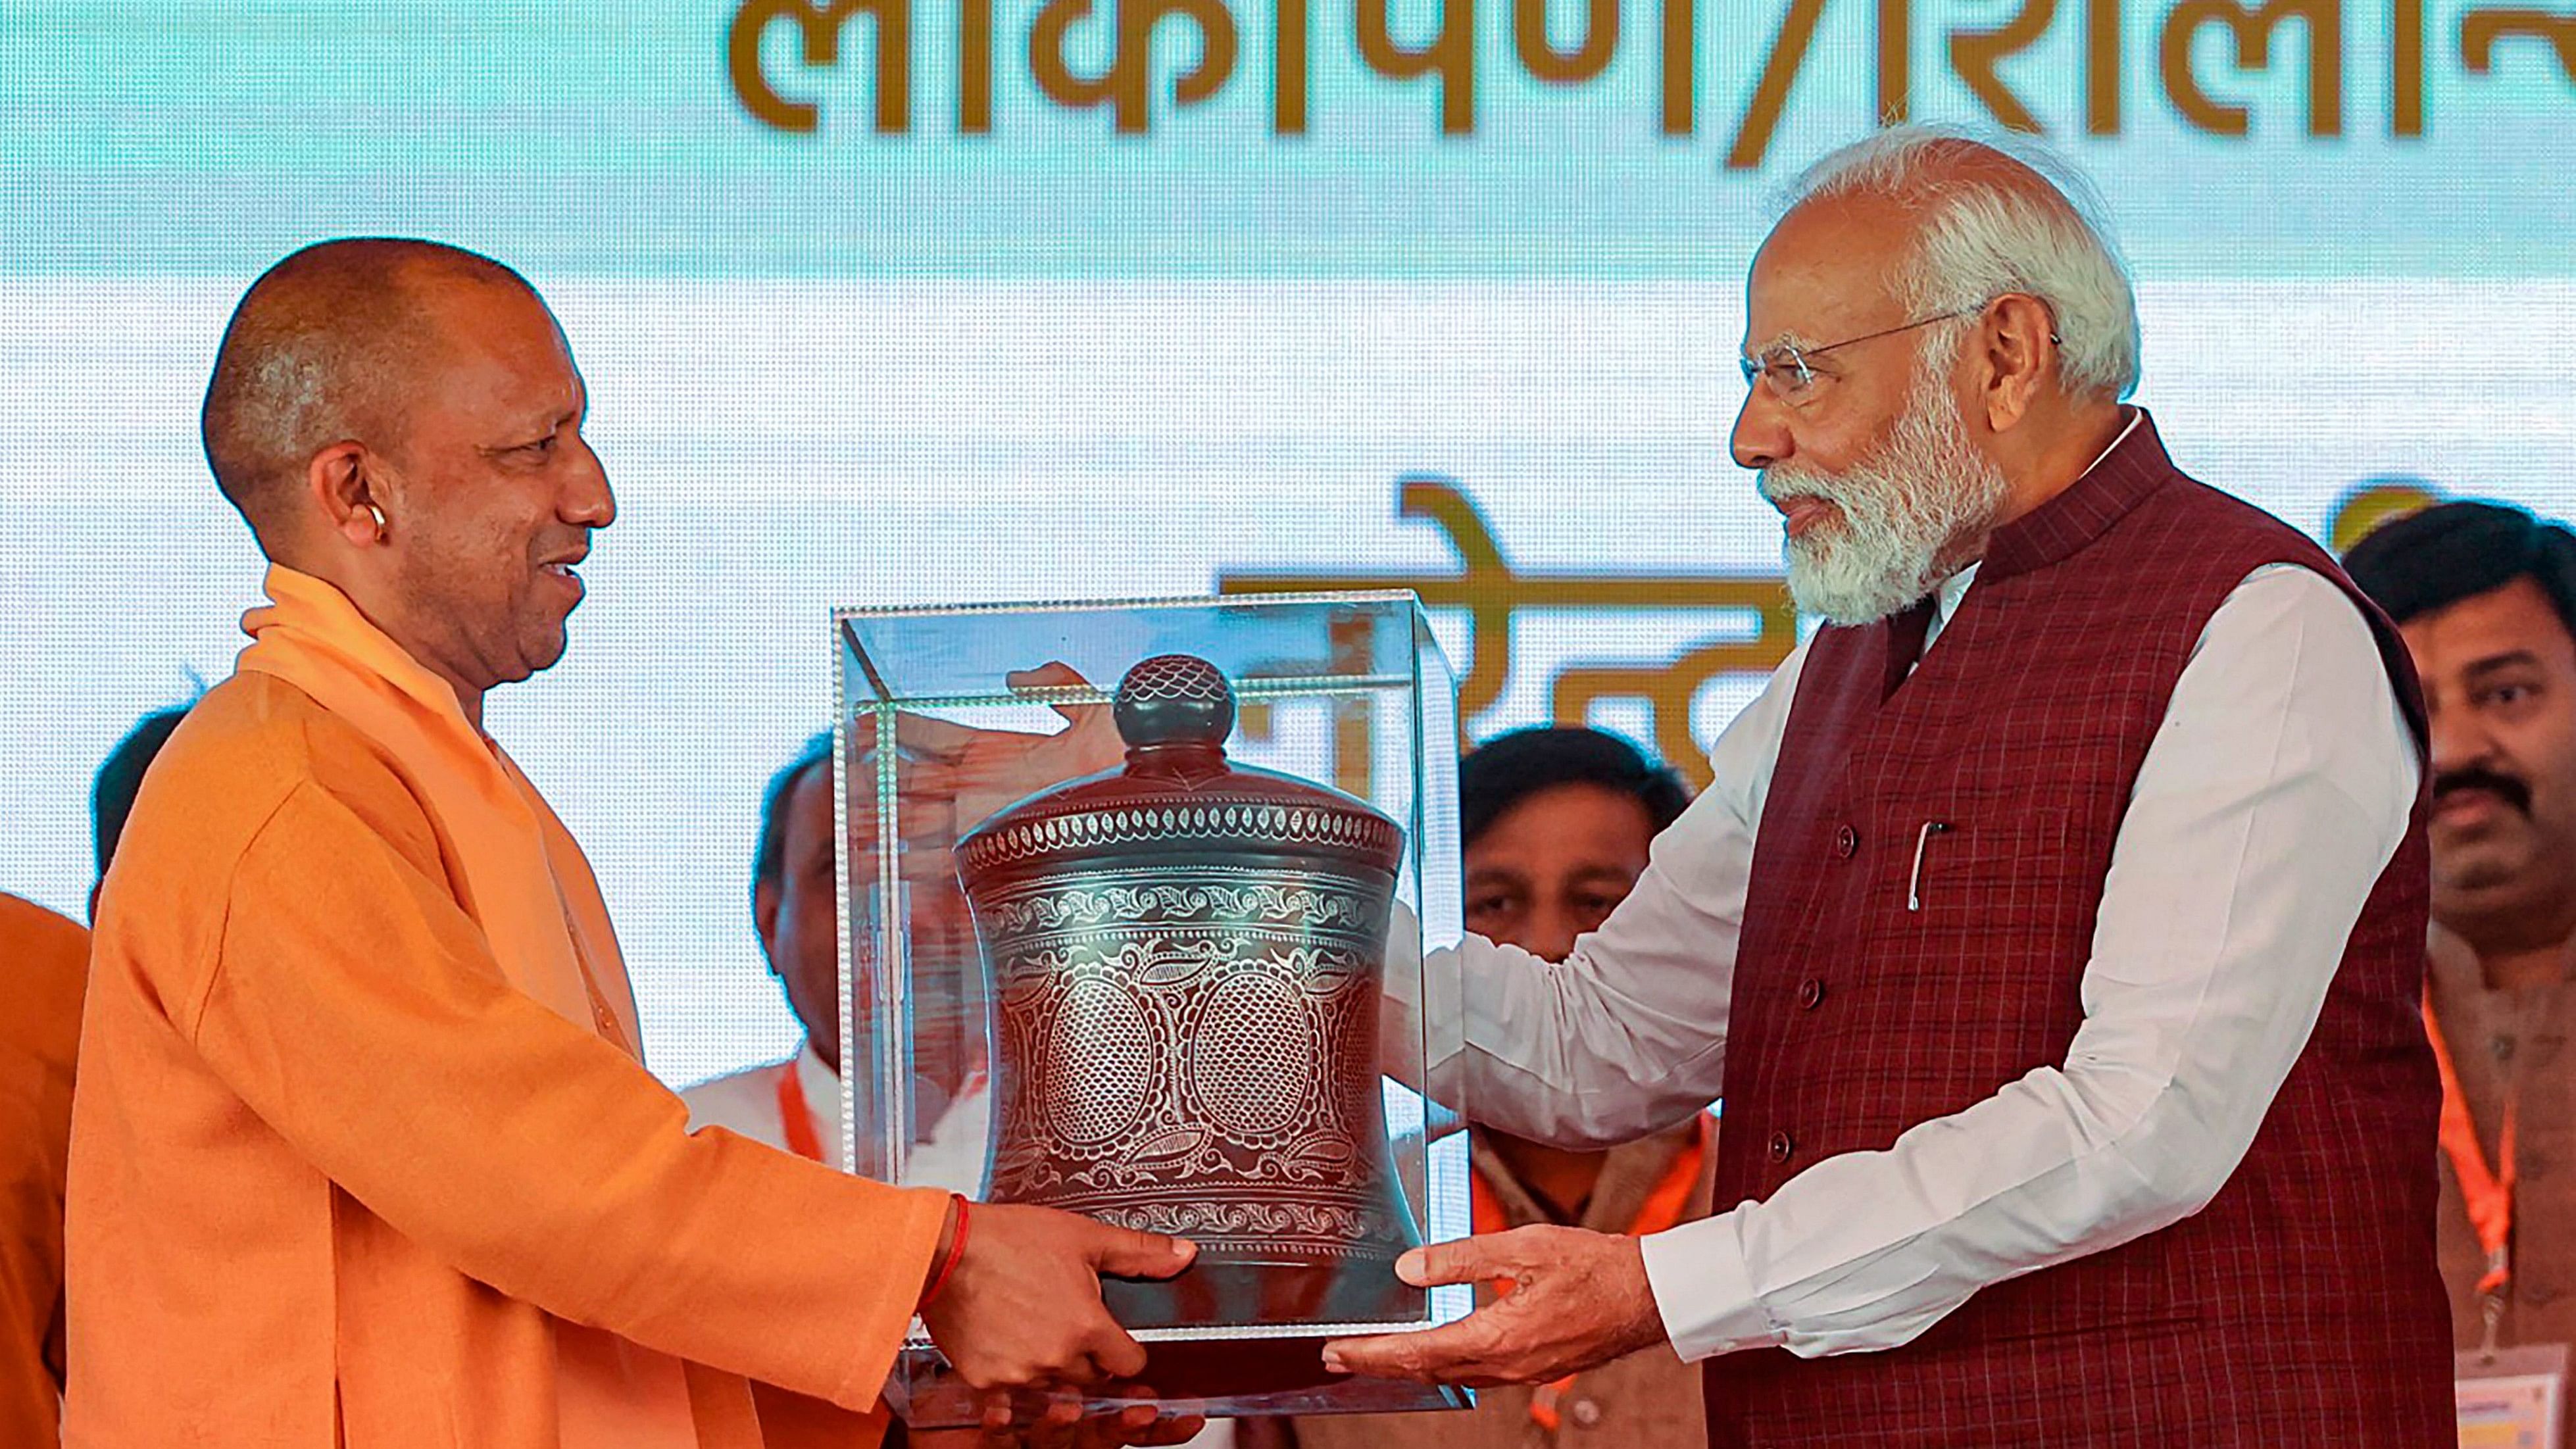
1179, 1430
1128, 1253
1464, 1260
1435, 1355
1055, 1426
1056, 675
1118, 1356
937, 739
1063, 1411
1387, 1357
1129, 1425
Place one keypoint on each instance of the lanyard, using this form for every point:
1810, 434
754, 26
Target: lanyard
793, 1116
1662, 1209
2487, 1190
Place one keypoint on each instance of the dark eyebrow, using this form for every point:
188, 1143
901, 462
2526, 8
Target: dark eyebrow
2511, 658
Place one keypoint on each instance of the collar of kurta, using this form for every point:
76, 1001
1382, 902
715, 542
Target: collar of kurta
526, 882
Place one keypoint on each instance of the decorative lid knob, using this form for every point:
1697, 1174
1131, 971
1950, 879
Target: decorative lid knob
1174, 699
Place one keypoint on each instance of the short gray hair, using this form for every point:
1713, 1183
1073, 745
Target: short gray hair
1982, 237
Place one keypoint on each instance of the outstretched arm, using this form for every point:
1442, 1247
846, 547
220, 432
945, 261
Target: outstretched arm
356, 1008
1628, 1034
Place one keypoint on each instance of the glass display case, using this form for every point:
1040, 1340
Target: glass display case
1138, 901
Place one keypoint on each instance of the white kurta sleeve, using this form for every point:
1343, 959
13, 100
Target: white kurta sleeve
1628, 1034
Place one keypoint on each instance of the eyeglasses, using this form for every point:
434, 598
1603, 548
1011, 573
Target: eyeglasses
1784, 366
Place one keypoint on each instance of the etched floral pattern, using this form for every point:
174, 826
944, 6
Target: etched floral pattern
1252, 1122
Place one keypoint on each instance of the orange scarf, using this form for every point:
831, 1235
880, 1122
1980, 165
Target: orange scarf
530, 889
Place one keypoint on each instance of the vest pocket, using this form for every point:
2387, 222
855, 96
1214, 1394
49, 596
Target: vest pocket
1987, 958
2007, 871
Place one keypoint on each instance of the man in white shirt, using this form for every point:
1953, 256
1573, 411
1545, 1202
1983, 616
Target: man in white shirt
2052, 928
795, 1105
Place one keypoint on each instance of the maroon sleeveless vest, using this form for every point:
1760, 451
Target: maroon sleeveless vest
2304, 1304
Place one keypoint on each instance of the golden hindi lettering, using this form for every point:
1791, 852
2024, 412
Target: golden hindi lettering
2193, 51
1753, 622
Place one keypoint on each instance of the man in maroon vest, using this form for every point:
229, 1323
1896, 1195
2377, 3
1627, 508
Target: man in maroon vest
2053, 929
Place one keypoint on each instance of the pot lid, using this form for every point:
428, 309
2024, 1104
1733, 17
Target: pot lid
1178, 795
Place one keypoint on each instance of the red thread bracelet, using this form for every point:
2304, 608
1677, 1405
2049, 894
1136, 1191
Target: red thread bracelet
956, 1250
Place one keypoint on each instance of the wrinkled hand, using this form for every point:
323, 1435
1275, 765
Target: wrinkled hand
977, 772
1579, 1299
1023, 1307
1064, 1425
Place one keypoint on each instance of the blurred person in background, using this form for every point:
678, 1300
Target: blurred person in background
44, 968
2485, 596
44, 961
120, 775
795, 1105
1557, 823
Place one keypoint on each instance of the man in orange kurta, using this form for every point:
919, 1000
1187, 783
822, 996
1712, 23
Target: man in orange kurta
364, 1153
43, 960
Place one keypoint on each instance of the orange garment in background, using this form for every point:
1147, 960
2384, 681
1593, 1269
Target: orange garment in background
1664, 1207
1644, 1400
43, 961
363, 1152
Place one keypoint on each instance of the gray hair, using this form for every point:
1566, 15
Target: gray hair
1982, 236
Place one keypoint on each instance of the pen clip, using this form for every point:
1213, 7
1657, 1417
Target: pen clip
1914, 882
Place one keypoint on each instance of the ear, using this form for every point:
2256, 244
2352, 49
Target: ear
764, 920
340, 481
2019, 357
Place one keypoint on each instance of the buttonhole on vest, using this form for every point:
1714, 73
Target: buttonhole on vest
1922, 841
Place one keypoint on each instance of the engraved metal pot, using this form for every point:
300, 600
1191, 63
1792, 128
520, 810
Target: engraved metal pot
1186, 957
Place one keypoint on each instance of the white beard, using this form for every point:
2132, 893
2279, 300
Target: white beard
1911, 512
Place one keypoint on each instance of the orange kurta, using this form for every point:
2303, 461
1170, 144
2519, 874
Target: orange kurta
43, 961
338, 1178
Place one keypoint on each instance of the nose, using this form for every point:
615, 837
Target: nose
587, 498
2460, 738
1549, 932
1761, 436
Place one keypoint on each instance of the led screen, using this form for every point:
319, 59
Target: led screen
904, 301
